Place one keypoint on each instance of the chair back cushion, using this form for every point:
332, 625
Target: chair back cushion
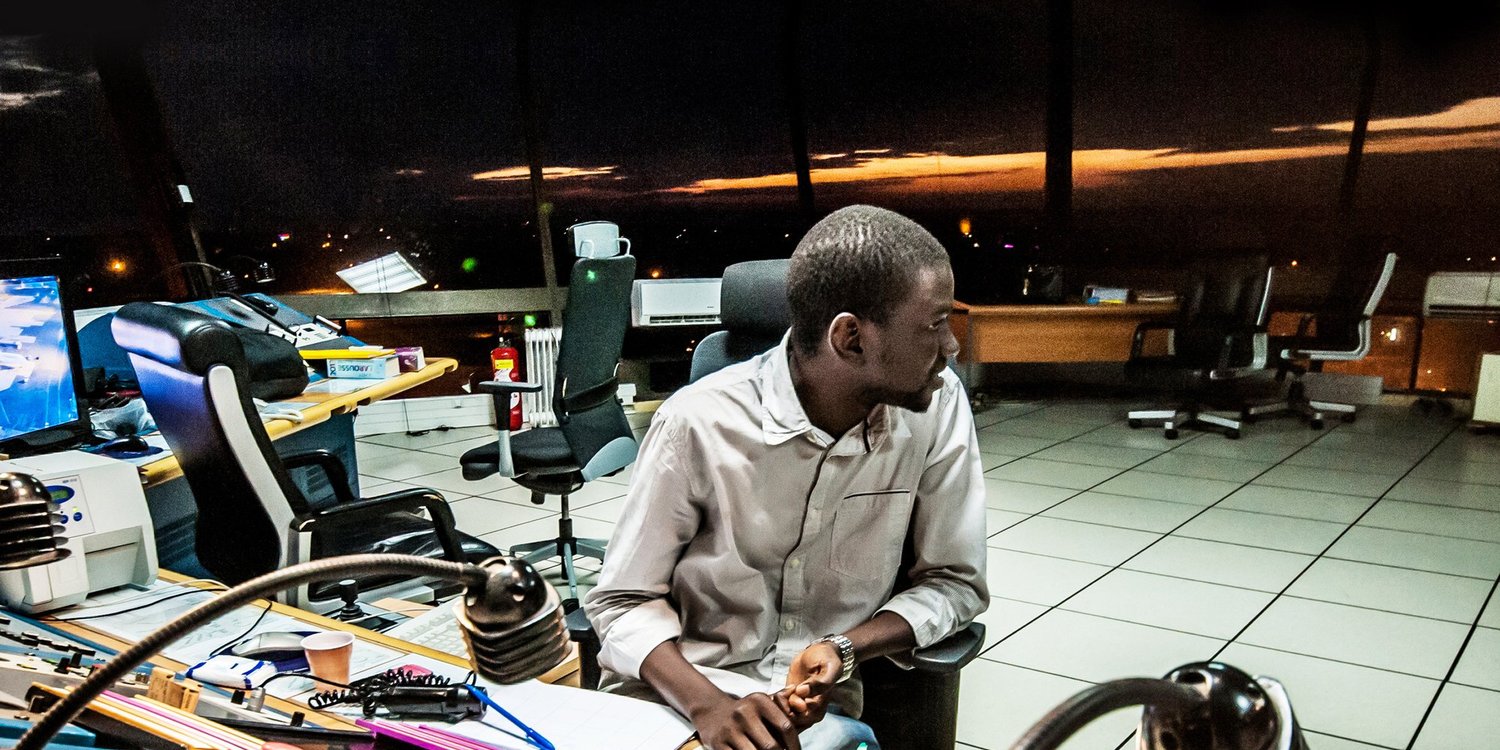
191, 369
755, 312
1224, 294
588, 414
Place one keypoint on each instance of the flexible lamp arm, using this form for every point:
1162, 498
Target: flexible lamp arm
1071, 715
472, 576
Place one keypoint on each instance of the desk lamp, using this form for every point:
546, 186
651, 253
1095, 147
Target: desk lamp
1198, 706
510, 617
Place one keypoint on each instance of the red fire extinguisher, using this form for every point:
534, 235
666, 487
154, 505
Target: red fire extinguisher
504, 361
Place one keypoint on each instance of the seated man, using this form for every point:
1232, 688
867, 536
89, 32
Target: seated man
754, 562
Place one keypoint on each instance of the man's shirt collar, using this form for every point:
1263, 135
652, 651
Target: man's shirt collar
783, 418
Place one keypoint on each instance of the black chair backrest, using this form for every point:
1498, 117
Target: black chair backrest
1224, 294
755, 313
192, 373
591, 419
1356, 290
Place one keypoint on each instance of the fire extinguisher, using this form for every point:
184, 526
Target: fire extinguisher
503, 360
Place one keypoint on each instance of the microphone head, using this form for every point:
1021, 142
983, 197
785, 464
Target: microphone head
513, 622
30, 525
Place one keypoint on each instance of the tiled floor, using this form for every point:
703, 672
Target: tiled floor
1357, 565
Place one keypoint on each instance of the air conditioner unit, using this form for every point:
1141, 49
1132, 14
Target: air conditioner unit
674, 302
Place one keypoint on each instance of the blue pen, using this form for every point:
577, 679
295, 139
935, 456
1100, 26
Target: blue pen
531, 734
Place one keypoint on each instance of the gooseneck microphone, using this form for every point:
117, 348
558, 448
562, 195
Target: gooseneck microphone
30, 526
509, 615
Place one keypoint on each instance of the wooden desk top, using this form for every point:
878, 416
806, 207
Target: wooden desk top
1131, 310
324, 404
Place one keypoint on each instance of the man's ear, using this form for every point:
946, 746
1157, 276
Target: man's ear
844, 337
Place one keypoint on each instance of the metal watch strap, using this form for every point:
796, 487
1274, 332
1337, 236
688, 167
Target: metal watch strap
845, 647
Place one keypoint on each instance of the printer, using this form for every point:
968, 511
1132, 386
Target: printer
106, 524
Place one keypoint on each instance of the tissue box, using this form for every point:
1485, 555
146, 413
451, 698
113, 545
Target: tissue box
375, 368
411, 358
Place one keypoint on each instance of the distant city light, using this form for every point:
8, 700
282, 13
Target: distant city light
117, 265
1294, 264
327, 244
656, 273
965, 225
283, 236
469, 264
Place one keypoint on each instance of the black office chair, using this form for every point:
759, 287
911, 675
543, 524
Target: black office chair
1341, 330
1216, 345
252, 518
916, 708
592, 439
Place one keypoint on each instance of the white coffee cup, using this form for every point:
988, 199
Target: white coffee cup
598, 239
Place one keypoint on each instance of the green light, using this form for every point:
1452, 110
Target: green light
591, 276
530, 321
469, 264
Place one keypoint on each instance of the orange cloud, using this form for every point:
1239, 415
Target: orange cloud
551, 173
1472, 113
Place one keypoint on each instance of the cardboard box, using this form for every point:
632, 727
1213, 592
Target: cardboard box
411, 358
377, 368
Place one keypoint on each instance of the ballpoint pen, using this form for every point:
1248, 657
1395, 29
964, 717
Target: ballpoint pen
531, 734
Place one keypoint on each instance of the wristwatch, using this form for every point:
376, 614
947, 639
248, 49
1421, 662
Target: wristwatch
845, 647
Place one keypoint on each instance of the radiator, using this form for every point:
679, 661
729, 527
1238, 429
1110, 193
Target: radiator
541, 367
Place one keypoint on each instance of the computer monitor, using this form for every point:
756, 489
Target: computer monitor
41, 381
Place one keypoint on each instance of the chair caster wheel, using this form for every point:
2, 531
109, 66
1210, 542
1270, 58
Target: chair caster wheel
1232, 434
1170, 434
1316, 424
1246, 417
1133, 423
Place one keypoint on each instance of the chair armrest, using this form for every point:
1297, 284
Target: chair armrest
582, 632
501, 391
952, 653
413, 500
338, 475
1138, 343
1256, 335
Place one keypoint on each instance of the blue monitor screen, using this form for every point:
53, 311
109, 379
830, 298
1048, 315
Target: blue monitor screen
36, 374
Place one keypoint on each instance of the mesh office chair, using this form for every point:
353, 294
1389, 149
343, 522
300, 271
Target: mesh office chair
252, 518
1340, 331
592, 438
1216, 343
916, 708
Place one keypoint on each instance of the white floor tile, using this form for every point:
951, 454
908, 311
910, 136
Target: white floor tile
1086, 647
1411, 592
1096, 455
366, 452
429, 438
1461, 557
1205, 467
999, 703
477, 516
1085, 542
1479, 666
451, 481
1471, 472
1126, 512
1327, 480
1383, 640
1463, 717
1394, 444
1220, 562
1000, 520
1244, 450
608, 510
1123, 436
1319, 457
406, 465
1491, 616
1440, 492
1462, 446
1328, 742
1006, 616
1095, 414
1285, 501
546, 528
1346, 700
1463, 523
1037, 579
1005, 444
1192, 490
1031, 425
1023, 497
459, 447
1262, 530
1052, 473
1173, 603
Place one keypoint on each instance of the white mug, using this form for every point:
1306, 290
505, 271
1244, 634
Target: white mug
598, 239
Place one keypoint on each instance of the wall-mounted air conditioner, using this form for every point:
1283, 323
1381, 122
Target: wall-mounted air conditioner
674, 302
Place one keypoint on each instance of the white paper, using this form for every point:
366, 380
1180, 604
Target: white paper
574, 719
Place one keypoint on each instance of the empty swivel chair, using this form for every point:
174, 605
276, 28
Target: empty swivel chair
252, 518
592, 438
1341, 330
1217, 343
755, 313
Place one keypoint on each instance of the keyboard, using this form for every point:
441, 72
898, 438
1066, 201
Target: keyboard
436, 629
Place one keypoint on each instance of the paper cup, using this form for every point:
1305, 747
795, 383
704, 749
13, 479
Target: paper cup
328, 655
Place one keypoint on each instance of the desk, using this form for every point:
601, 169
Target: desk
325, 406
1050, 333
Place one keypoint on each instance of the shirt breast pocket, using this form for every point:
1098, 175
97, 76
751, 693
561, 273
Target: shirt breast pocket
869, 530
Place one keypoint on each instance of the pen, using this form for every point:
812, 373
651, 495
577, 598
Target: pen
531, 734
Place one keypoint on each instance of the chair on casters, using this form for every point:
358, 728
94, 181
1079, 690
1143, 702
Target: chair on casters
1340, 331
252, 518
1214, 347
592, 439
916, 709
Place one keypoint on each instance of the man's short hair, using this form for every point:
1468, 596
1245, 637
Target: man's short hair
861, 260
